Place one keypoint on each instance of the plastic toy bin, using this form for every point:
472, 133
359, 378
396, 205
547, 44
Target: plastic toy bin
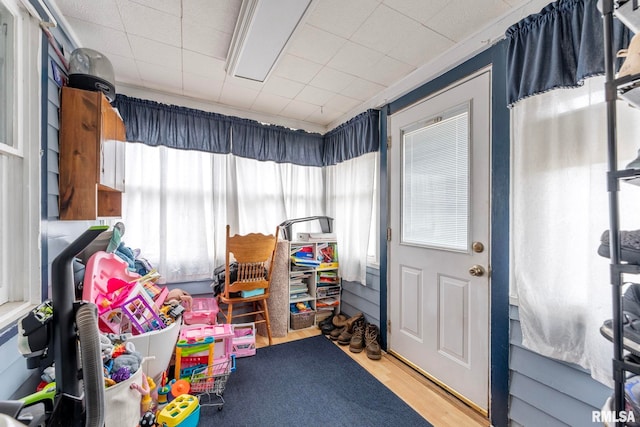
203, 311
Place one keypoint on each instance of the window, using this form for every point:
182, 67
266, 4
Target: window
19, 162
435, 174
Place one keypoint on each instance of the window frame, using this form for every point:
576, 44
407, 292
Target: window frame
20, 208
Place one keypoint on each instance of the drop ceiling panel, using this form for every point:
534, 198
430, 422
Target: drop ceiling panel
154, 52
355, 59
150, 23
340, 17
106, 40
458, 20
344, 56
325, 45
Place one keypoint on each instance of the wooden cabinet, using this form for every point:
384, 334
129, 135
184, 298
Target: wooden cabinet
92, 138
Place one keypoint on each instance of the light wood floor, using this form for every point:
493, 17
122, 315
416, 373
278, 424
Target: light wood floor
436, 405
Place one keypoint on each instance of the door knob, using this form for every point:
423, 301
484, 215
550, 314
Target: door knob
476, 270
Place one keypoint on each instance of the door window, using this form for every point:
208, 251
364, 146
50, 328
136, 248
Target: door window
435, 181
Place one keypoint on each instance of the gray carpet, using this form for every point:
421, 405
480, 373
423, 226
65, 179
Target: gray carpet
309, 382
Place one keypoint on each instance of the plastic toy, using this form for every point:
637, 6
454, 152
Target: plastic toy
183, 411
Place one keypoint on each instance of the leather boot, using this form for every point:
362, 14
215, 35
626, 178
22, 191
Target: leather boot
356, 345
334, 334
345, 336
371, 341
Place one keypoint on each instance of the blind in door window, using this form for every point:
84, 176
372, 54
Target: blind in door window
435, 182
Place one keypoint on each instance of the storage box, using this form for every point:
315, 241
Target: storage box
244, 339
302, 320
203, 311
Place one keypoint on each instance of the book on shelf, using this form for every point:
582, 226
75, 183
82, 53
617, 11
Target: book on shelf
327, 302
305, 262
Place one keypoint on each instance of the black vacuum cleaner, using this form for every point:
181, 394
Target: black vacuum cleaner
66, 331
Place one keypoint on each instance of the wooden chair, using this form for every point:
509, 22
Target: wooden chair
254, 254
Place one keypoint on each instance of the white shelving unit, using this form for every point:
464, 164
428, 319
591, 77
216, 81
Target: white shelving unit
314, 279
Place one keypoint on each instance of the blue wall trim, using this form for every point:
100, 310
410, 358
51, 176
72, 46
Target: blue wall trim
500, 169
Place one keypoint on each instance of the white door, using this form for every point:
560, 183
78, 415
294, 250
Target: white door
438, 283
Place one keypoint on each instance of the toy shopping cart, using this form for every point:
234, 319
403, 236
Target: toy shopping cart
210, 381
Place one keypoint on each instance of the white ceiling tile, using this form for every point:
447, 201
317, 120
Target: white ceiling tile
384, 29
160, 78
206, 40
420, 10
103, 39
354, 59
125, 70
150, 23
323, 116
461, 18
281, 86
362, 89
325, 44
333, 80
314, 95
299, 110
341, 103
154, 52
203, 65
270, 103
241, 81
220, 14
197, 86
388, 71
104, 13
425, 45
297, 69
238, 96
173, 7
341, 17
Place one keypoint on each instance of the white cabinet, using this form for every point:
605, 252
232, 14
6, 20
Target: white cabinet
314, 282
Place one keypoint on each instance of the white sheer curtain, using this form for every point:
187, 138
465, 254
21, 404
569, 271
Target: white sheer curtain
168, 210
177, 204
350, 197
560, 209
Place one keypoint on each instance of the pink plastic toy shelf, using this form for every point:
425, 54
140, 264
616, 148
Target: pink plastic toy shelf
203, 311
244, 339
223, 335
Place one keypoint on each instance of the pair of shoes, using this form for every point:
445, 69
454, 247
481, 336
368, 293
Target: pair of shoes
326, 325
339, 320
629, 246
631, 64
335, 333
345, 337
366, 337
630, 321
630, 332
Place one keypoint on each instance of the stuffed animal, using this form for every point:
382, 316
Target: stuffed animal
178, 296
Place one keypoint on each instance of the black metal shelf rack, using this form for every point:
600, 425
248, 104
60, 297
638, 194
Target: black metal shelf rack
628, 89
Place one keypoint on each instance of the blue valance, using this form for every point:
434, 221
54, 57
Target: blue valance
557, 48
276, 143
177, 127
339, 145
153, 123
